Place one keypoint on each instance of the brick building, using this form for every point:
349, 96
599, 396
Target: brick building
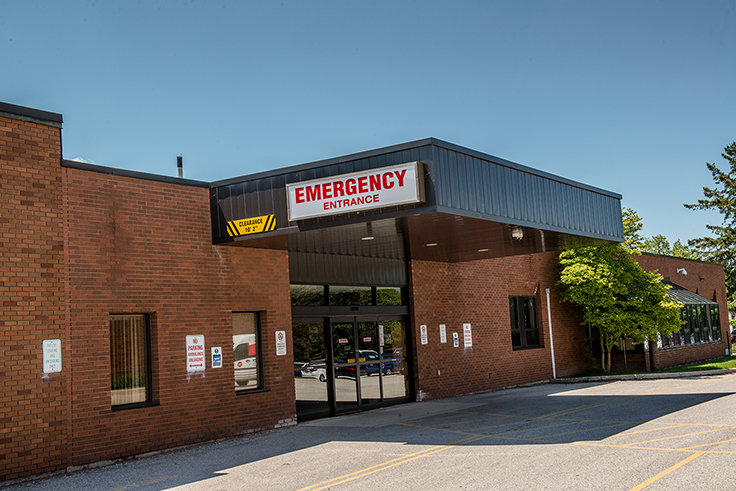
144, 312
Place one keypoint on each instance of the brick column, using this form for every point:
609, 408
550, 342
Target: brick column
33, 405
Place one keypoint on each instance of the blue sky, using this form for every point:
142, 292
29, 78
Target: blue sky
630, 96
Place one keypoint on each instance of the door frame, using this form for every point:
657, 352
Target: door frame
331, 318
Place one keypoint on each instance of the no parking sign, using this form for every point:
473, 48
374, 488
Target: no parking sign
280, 343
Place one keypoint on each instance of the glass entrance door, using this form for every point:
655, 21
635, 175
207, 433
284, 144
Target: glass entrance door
311, 376
346, 364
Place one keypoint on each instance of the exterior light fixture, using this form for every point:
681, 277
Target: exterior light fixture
431, 245
517, 233
368, 232
482, 250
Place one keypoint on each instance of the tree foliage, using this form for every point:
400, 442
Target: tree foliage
636, 243
616, 295
721, 247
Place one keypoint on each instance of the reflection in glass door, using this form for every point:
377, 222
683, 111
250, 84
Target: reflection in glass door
394, 367
370, 366
310, 370
345, 366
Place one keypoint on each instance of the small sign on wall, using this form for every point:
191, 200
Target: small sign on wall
217, 357
195, 353
423, 334
280, 343
443, 333
51, 355
467, 336
455, 340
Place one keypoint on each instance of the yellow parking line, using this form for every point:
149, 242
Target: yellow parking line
680, 436
647, 431
708, 444
387, 465
665, 472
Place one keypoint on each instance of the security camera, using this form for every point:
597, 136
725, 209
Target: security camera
682, 270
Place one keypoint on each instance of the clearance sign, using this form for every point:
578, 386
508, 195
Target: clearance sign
254, 225
387, 186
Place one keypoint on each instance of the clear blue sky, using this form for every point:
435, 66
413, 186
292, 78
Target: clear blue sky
630, 96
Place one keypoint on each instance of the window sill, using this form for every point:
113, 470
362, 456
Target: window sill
524, 348
684, 346
251, 391
135, 405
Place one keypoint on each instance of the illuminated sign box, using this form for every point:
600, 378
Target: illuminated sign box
366, 190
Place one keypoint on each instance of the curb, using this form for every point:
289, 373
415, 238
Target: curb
643, 376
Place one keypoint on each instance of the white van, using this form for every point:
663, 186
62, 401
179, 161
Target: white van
246, 366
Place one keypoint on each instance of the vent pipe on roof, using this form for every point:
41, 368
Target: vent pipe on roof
179, 167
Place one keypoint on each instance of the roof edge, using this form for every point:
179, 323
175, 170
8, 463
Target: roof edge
30, 114
73, 164
405, 146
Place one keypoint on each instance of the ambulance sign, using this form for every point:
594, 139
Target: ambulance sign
195, 353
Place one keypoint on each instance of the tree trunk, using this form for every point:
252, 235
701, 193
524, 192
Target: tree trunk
607, 354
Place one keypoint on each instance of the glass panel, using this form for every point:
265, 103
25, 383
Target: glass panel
343, 342
346, 389
245, 350
389, 296
129, 359
307, 295
351, 295
715, 322
370, 386
310, 370
530, 322
395, 372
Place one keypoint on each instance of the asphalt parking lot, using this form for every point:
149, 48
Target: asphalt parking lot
622, 435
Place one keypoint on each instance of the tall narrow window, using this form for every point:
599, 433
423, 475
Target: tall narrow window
130, 359
524, 329
247, 351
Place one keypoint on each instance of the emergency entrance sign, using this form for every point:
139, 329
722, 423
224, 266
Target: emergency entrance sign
195, 353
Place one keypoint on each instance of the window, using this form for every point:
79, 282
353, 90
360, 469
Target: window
524, 329
247, 351
344, 296
701, 324
130, 359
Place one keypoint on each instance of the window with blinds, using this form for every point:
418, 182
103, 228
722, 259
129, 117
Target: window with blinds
130, 359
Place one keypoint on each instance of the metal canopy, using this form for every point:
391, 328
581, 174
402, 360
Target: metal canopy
685, 296
477, 206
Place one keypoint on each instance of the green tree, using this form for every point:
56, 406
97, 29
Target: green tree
617, 296
634, 241
721, 247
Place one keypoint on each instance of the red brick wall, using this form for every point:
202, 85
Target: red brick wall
705, 279
33, 405
139, 246
477, 292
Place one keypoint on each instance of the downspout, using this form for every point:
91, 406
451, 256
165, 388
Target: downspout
551, 343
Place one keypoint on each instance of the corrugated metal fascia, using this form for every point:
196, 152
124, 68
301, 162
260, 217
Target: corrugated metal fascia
327, 162
522, 168
346, 270
521, 195
526, 223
